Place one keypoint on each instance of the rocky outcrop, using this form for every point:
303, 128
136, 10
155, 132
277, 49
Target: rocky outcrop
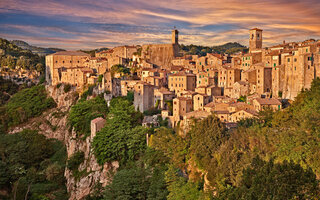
92, 172
53, 124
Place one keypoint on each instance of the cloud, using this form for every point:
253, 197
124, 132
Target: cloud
90, 24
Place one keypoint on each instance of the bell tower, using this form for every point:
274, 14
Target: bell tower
255, 40
175, 36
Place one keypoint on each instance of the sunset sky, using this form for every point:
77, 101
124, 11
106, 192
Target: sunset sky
75, 24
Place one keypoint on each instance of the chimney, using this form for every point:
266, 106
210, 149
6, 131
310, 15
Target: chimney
284, 42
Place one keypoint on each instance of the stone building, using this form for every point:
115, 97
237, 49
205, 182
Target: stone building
69, 62
240, 88
181, 81
255, 40
181, 106
266, 103
161, 97
143, 96
199, 101
161, 55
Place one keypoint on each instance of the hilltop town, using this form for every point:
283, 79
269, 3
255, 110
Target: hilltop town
185, 87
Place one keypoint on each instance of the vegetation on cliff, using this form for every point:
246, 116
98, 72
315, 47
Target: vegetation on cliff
32, 167
122, 138
228, 48
15, 56
83, 112
23, 105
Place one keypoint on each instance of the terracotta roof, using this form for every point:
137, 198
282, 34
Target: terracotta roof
268, 101
210, 105
182, 73
257, 29
242, 83
221, 112
86, 70
197, 114
71, 53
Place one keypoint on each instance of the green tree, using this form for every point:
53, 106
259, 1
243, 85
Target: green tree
121, 139
205, 138
269, 180
83, 112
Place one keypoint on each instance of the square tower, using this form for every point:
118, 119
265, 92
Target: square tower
255, 40
175, 35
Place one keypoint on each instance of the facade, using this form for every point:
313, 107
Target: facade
266, 103
143, 96
181, 81
69, 62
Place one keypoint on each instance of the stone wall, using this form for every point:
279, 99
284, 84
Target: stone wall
160, 54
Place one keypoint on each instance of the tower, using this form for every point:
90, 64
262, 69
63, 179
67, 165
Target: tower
175, 35
255, 40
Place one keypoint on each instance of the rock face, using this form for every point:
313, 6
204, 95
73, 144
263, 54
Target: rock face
79, 188
53, 124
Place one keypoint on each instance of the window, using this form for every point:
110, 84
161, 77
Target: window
307, 50
274, 64
295, 60
288, 59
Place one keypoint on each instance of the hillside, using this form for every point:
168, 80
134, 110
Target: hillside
34, 49
14, 57
202, 50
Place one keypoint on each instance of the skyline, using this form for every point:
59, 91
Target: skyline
83, 24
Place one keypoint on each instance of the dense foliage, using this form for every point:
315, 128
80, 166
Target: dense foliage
122, 138
75, 160
228, 48
83, 112
137, 182
287, 142
32, 166
121, 69
269, 180
17, 57
7, 89
25, 104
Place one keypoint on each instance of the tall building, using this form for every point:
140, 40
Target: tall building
175, 36
255, 40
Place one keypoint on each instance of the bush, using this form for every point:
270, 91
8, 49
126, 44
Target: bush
83, 112
28, 103
152, 111
75, 160
67, 88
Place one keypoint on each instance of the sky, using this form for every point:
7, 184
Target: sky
87, 24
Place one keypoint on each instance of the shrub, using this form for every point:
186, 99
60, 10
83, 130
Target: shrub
28, 103
75, 160
83, 112
67, 88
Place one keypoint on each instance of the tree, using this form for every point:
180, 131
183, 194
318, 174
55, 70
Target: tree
121, 139
27, 103
277, 181
205, 138
83, 112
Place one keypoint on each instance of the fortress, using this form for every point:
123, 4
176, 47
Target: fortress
161, 55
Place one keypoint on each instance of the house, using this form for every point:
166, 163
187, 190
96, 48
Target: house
266, 103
